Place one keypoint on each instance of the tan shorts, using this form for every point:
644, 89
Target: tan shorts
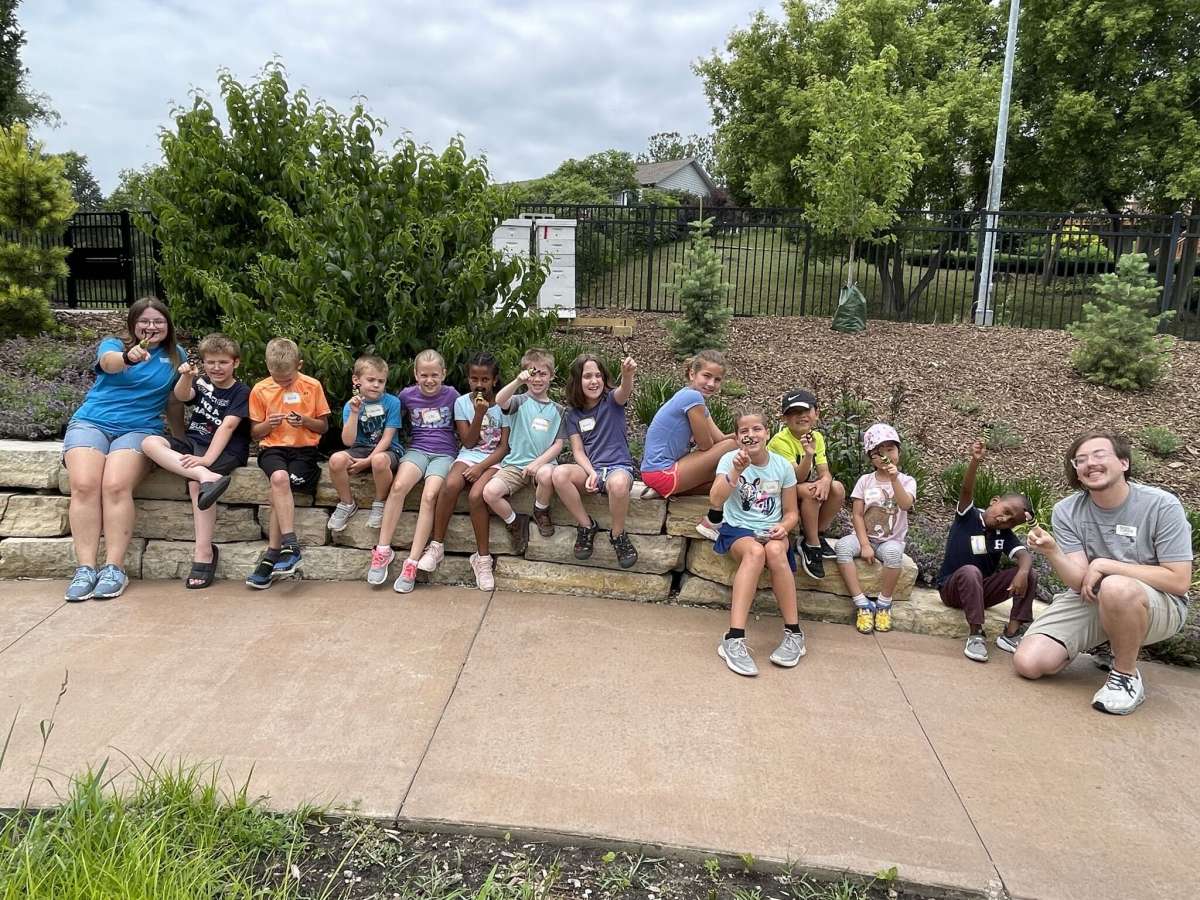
512, 477
1076, 624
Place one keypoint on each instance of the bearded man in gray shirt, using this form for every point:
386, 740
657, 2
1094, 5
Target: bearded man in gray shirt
1124, 551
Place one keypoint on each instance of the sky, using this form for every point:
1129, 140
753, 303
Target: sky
527, 83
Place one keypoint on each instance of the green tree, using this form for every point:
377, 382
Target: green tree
84, 187
595, 179
18, 103
670, 145
702, 292
289, 221
563, 189
35, 206
135, 190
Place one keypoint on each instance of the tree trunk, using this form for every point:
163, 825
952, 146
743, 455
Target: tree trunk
1185, 275
1053, 247
850, 266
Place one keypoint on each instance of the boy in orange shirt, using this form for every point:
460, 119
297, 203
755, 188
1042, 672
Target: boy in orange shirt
289, 413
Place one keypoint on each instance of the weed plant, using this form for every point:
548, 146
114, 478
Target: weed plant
1159, 440
1000, 435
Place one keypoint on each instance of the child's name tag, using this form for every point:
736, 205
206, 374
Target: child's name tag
540, 424
431, 416
770, 487
873, 496
586, 425
1129, 531
978, 543
291, 397
373, 409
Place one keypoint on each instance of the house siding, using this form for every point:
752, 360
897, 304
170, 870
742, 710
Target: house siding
686, 179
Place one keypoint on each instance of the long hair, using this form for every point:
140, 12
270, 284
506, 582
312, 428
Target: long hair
574, 392
135, 313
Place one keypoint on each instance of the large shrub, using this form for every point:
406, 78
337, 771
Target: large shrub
1119, 344
291, 222
35, 207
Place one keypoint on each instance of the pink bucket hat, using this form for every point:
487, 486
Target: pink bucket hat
879, 433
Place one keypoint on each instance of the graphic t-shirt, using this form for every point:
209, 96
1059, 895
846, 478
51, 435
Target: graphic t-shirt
756, 501
304, 395
489, 429
971, 543
789, 447
431, 419
884, 519
533, 426
374, 416
602, 431
132, 399
210, 406
670, 432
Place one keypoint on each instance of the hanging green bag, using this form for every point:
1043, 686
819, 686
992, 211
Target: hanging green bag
851, 314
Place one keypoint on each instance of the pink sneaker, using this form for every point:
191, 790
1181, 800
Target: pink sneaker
482, 567
432, 557
407, 579
380, 560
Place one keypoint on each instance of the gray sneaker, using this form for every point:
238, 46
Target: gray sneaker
976, 648
82, 586
788, 653
341, 516
737, 656
110, 583
375, 516
1010, 642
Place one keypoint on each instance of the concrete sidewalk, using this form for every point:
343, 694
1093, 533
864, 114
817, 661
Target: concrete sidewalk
614, 721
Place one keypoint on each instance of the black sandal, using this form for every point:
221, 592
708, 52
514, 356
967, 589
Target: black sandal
204, 573
211, 491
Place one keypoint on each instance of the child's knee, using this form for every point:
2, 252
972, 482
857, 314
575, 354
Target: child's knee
846, 549
837, 491
280, 480
560, 476
379, 463
339, 461
431, 490
754, 555
619, 484
546, 474
776, 552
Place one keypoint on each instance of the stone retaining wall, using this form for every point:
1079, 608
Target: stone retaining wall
673, 560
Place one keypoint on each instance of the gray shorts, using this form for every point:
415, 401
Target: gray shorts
362, 451
432, 465
1075, 623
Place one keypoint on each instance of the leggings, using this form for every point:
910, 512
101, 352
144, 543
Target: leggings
890, 553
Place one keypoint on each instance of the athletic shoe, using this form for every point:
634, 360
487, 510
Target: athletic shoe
288, 562
788, 653
375, 516
541, 518
585, 535
518, 530
707, 529
976, 647
1010, 642
627, 555
1121, 694
883, 618
407, 579
341, 516
482, 567
827, 551
737, 656
380, 560
261, 578
110, 583
810, 561
864, 620
82, 585
432, 557
1102, 657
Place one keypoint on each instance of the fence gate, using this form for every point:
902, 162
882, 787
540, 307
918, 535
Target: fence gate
111, 262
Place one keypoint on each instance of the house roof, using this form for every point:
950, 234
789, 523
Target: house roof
650, 174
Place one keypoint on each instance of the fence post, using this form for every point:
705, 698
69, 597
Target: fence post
127, 257
983, 222
808, 232
1166, 300
650, 256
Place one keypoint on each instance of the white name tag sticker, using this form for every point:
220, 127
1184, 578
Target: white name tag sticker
978, 543
540, 424
431, 416
1129, 531
373, 409
291, 398
873, 495
770, 487
586, 425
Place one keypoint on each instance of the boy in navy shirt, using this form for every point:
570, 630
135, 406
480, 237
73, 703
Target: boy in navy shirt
971, 579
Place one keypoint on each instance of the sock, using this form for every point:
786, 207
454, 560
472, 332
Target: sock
382, 548
809, 546
884, 602
794, 629
861, 601
289, 539
538, 504
510, 518
715, 515
435, 543
735, 633
272, 554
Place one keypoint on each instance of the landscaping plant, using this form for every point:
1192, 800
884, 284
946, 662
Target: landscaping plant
702, 291
1159, 440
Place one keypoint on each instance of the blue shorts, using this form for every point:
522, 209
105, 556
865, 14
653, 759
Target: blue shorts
727, 534
85, 434
606, 472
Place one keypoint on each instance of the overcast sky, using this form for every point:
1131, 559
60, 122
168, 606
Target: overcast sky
528, 83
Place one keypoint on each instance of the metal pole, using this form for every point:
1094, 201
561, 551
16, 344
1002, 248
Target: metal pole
983, 301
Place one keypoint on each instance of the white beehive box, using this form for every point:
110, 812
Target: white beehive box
512, 239
556, 238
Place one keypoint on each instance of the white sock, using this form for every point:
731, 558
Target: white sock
538, 504
435, 544
382, 548
510, 518
860, 600
885, 601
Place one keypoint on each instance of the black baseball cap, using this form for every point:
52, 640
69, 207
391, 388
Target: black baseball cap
798, 400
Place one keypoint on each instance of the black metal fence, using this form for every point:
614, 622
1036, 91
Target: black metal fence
925, 270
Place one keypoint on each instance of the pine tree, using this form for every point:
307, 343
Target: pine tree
702, 293
1119, 344
35, 206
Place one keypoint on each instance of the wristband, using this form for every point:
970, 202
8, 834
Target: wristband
125, 358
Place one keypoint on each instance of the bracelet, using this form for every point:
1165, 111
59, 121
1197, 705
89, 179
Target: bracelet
125, 358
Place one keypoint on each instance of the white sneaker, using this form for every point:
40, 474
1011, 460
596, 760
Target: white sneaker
976, 648
482, 567
1121, 694
432, 557
707, 529
341, 516
375, 517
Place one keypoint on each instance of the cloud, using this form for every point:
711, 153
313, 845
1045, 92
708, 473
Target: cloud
528, 83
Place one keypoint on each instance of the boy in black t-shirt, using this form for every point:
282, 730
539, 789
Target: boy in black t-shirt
216, 442
971, 579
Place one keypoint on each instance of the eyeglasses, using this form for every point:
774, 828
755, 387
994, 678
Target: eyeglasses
151, 323
1099, 456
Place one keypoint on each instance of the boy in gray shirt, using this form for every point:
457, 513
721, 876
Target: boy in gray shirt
1124, 550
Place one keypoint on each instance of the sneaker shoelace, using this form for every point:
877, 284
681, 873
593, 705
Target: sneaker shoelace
737, 648
1118, 682
379, 558
83, 577
622, 542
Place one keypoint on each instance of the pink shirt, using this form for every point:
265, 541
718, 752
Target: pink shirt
877, 493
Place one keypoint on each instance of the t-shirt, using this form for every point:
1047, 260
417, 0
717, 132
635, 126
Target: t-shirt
888, 522
431, 419
756, 501
789, 447
133, 399
374, 416
210, 406
533, 426
1149, 528
602, 430
304, 395
971, 543
489, 429
670, 432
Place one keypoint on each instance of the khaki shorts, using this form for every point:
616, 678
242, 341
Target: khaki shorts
1076, 624
512, 477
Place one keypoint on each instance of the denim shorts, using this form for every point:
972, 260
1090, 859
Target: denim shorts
728, 535
432, 465
607, 472
85, 434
